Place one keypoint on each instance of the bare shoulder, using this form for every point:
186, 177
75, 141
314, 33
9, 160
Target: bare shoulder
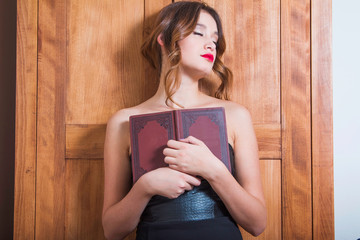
238, 120
120, 119
122, 116
117, 129
235, 113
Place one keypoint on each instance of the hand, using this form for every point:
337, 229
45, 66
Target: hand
168, 182
192, 156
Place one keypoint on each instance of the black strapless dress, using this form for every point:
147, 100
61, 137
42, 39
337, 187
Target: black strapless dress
196, 214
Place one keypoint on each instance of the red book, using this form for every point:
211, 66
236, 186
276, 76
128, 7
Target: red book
149, 134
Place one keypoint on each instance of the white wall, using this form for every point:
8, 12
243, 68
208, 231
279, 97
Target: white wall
346, 85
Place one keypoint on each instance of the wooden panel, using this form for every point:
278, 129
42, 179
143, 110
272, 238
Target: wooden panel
252, 33
269, 140
101, 75
25, 124
50, 176
104, 62
322, 123
152, 8
271, 179
84, 199
87, 141
296, 119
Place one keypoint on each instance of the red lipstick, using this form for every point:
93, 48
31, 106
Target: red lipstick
208, 56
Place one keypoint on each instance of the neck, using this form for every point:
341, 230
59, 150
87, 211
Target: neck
187, 95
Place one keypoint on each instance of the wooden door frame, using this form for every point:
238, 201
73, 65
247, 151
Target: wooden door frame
322, 120
314, 30
318, 65
296, 120
26, 119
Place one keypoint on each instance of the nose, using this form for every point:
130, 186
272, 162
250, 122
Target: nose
210, 44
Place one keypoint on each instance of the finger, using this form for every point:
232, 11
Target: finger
170, 152
181, 191
192, 180
192, 140
188, 187
175, 144
170, 160
174, 167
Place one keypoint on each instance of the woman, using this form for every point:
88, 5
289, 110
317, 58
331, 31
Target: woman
185, 46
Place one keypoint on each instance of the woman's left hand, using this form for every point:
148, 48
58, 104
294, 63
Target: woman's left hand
192, 156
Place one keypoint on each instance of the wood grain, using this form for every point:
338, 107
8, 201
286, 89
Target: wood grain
52, 75
151, 10
105, 67
84, 199
89, 66
322, 121
271, 180
269, 140
296, 120
86, 141
252, 33
25, 124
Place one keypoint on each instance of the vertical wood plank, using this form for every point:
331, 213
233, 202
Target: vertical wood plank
152, 8
296, 119
322, 122
271, 180
50, 178
25, 124
252, 33
84, 199
105, 67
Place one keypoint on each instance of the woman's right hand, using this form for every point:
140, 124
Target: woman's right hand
168, 182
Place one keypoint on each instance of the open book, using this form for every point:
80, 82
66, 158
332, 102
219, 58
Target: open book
149, 134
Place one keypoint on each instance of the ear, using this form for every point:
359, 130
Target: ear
160, 39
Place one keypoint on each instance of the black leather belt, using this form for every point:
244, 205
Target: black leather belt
200, 203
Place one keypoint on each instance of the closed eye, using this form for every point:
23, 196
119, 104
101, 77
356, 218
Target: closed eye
201, 34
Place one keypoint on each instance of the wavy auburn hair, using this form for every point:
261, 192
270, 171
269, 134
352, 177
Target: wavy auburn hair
175, 22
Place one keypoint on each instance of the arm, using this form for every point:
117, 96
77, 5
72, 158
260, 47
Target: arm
243, 198
123, 204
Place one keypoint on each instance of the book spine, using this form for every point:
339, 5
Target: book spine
226, 137
177, 124
132, 145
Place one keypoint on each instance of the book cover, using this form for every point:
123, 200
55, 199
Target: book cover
149, 134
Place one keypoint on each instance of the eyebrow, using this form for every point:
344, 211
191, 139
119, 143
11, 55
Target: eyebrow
204, 26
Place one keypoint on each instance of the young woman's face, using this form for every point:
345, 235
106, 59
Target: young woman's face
198, 50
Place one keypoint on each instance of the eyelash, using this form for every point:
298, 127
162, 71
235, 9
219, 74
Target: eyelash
200, 34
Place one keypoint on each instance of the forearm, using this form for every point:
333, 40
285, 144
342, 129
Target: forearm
123, 217
248, 211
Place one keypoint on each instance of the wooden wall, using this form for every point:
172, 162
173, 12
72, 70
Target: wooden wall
79, 62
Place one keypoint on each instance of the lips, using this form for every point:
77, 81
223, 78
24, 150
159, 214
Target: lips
208, 56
